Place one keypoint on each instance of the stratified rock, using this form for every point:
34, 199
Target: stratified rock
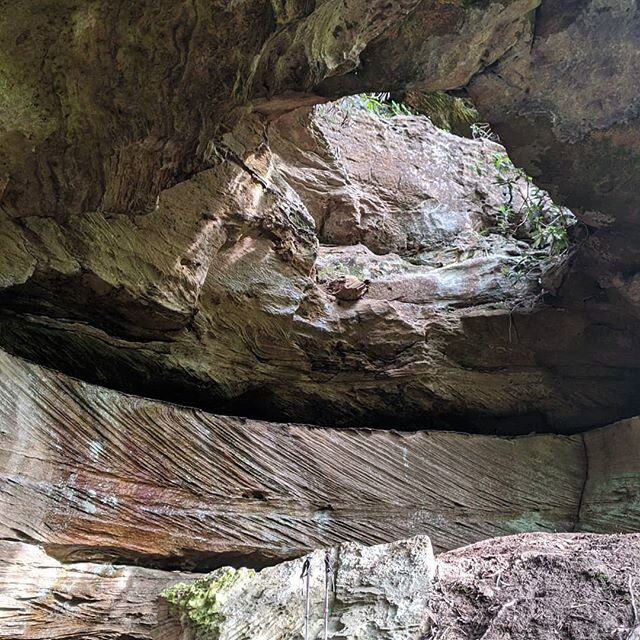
374, 593
210, 298
613, 486
217, 299
92, 474
42, 599
543, 587
105, 105
565, 103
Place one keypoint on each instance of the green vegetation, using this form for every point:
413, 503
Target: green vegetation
198, 604
529, 215
535, 217
443, 110
337, 269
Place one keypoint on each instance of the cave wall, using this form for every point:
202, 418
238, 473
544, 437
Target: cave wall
221, 297
91, 474
158, 236
139, 175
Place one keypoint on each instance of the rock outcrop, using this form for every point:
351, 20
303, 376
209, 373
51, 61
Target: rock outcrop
177, 221
90, 474
371, 592
43, 599
548, 586
104, 105
160, 211
222, 297
111, 113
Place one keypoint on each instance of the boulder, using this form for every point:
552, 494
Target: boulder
538, 586
547, 586
363, 593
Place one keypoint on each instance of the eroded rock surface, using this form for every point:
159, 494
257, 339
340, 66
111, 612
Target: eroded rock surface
223, 265
547, 587
42, 599
565, 104
89, 473
374, 592
221, 297
106, 104
92, 474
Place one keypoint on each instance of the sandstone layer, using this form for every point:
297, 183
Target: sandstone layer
221, 297
354, 592
91, 474
42, 599
160, 216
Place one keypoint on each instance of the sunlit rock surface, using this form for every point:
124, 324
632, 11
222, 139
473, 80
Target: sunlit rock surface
373, 592
221, 297
146, 218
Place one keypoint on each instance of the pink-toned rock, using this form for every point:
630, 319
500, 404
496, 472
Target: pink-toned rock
89, 473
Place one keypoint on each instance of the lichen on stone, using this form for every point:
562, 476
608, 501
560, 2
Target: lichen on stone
198, 604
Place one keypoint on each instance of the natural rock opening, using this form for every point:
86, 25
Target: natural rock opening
177, 221
336, 268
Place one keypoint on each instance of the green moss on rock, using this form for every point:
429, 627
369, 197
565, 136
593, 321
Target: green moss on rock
198, 604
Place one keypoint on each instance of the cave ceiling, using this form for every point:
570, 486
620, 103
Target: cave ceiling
171, 212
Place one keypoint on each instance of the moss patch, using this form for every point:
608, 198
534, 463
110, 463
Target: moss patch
199, 604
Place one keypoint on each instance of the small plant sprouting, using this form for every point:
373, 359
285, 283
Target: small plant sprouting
529, 215
442, 109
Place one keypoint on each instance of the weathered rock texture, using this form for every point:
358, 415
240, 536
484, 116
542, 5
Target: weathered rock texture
94, 475
220, 298
42, 599
374, 592
160, 219
106, 104
546, 587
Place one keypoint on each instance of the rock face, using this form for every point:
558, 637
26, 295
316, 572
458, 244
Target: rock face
173, 224
91, 474
222, 297
42, 599
374, 592
547, 587
112, 113
105, 105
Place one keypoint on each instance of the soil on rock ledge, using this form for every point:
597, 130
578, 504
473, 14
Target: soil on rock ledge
538, 587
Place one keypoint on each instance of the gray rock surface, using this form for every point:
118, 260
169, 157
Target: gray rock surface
379, 592
219, 297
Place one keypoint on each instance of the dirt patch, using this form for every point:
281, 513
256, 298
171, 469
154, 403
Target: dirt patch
539, 587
